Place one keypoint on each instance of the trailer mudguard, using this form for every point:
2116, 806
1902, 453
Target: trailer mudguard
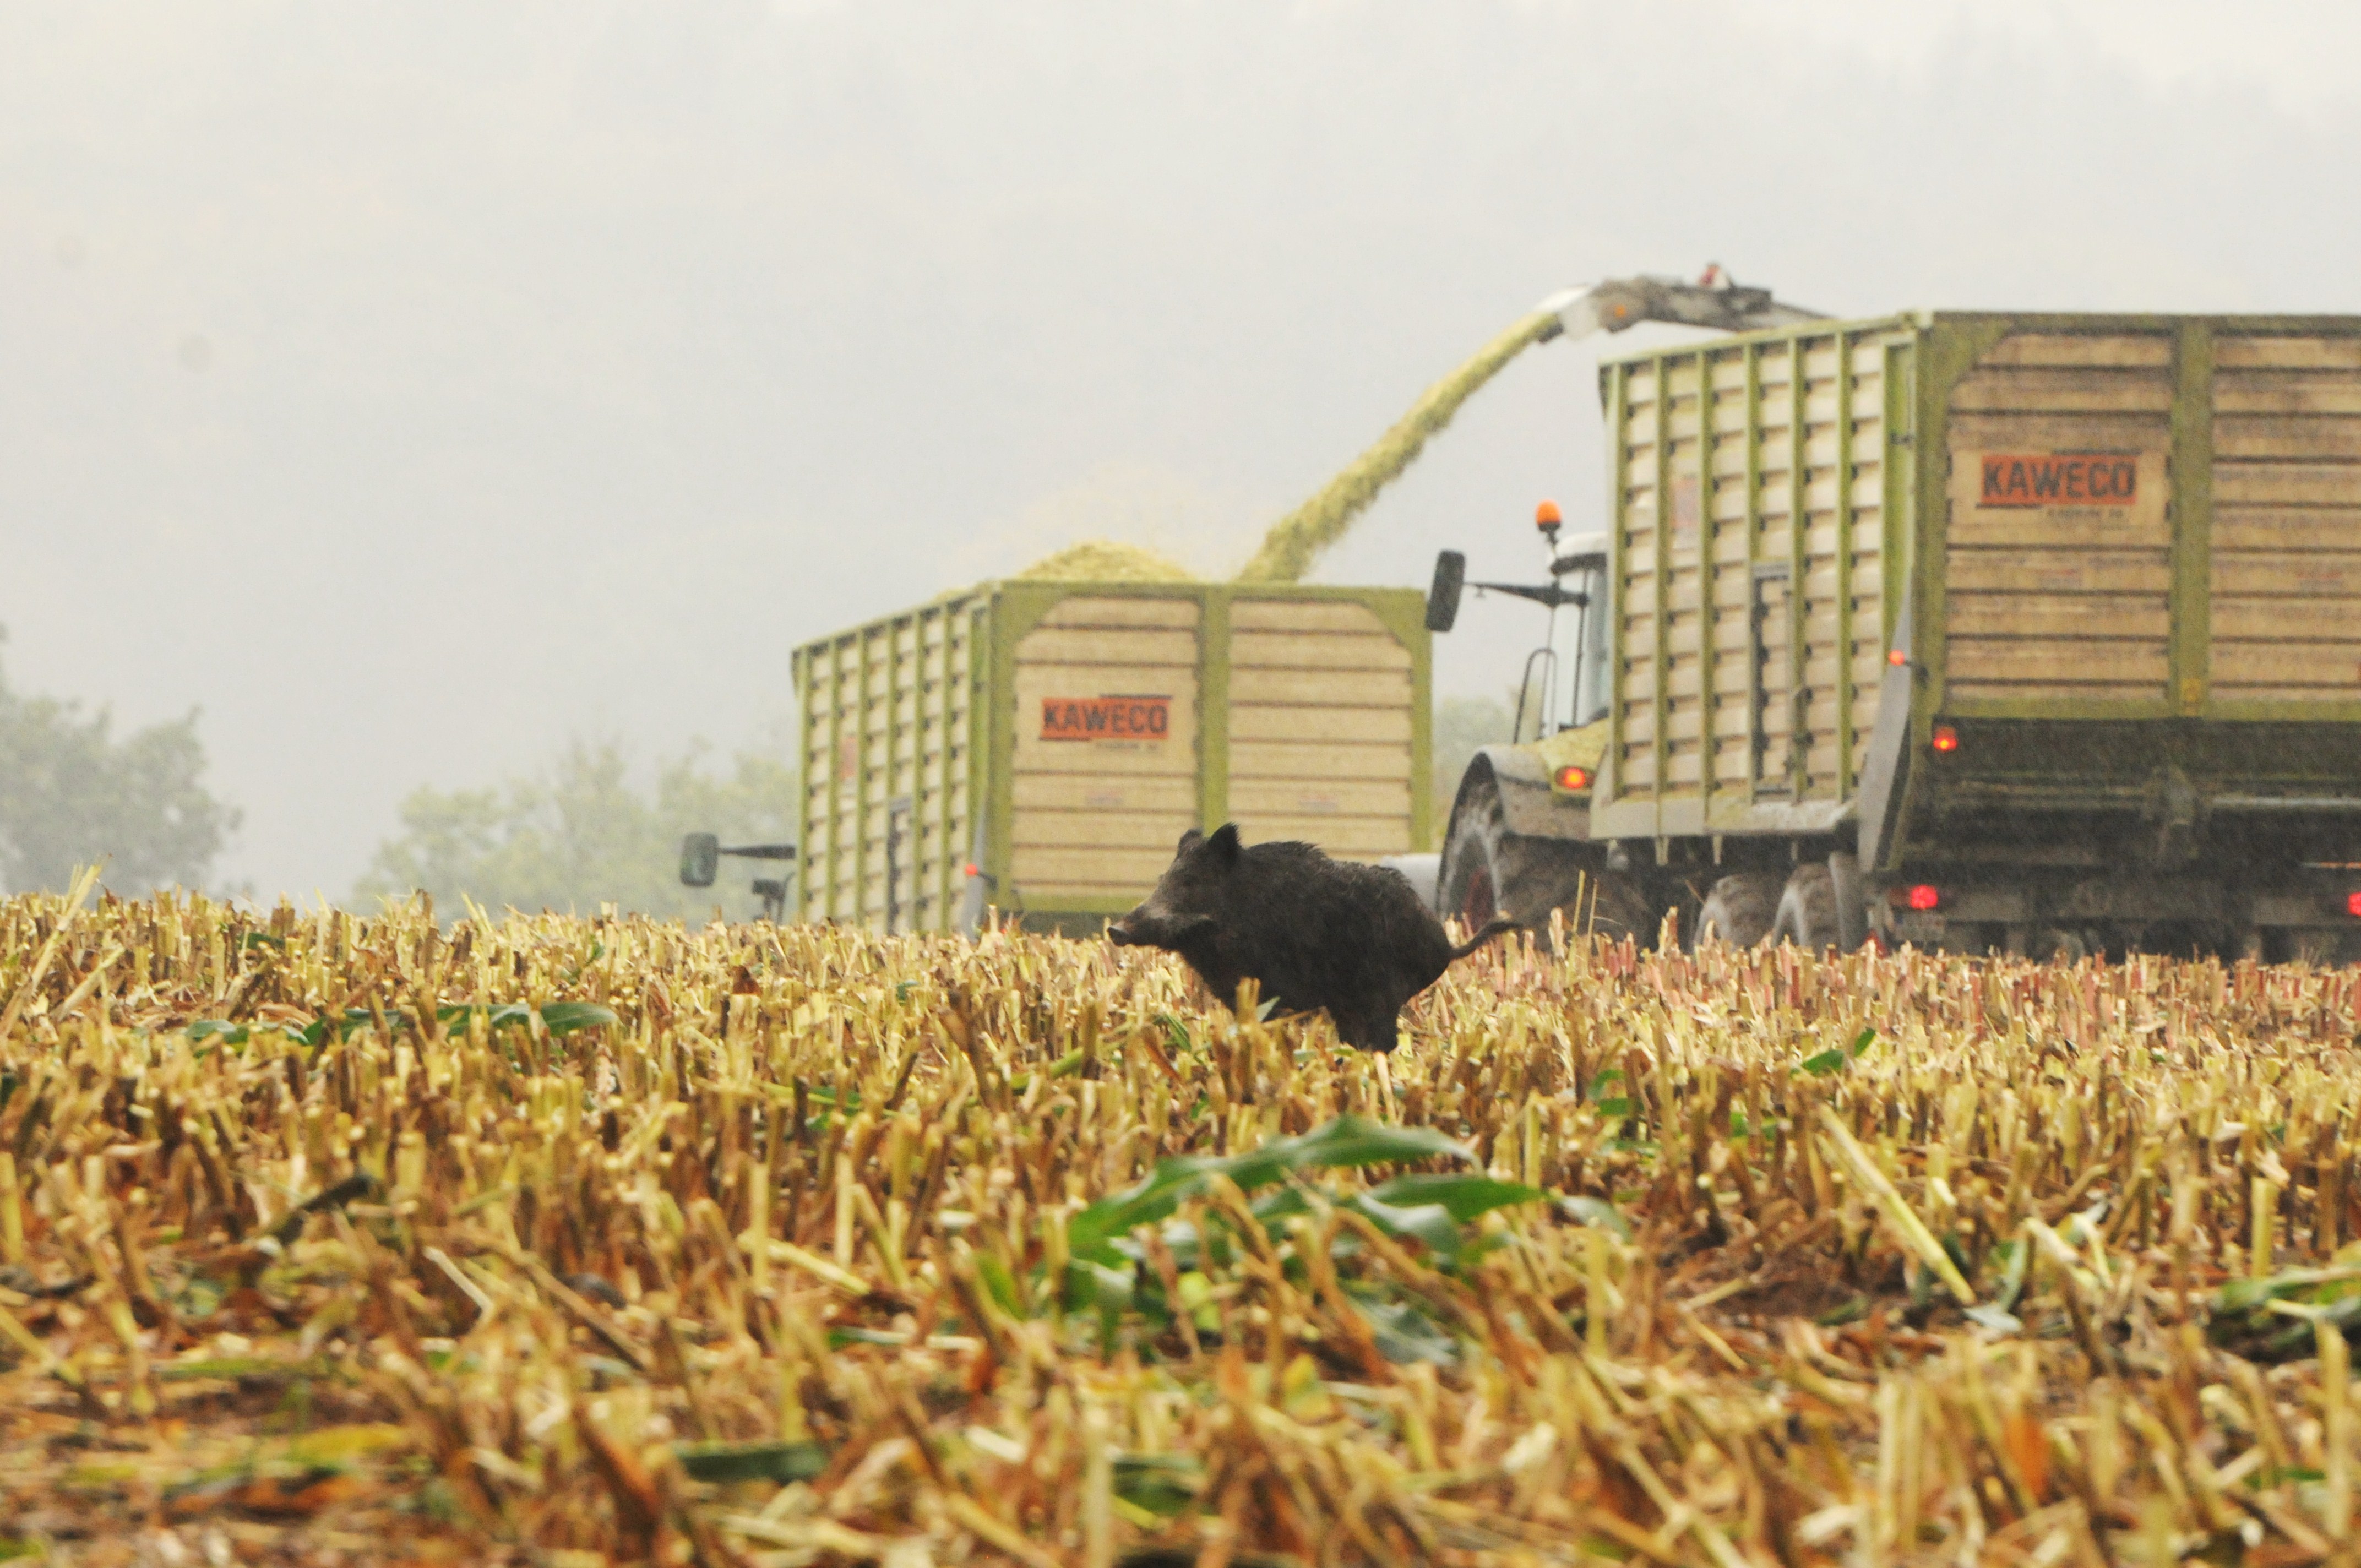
1528, 806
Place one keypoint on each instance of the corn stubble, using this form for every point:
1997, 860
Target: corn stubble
569, 1241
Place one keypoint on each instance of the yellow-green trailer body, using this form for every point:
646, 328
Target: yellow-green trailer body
1039, 747
2118, 556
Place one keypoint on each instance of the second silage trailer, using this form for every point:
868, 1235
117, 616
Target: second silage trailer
1980, 629
1038, 746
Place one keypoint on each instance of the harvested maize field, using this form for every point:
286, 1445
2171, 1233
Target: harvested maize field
565, 1241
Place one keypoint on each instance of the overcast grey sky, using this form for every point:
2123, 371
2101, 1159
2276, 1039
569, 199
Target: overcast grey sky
415, 385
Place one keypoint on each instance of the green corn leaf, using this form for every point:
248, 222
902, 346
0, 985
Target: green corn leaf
1466, 1197
1347, 1141
776, 1462
1995, 1320
997, 1280
2012, 1282
568, 1017
1595, 1212
1429, 1223
1095, 1287
1404, 1335
1165, 1485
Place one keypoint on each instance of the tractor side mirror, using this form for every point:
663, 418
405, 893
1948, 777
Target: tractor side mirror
700, 858
1442, 598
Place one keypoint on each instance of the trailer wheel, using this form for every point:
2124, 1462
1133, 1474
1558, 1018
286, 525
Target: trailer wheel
2061, 946
1739, 910
1853, 912
1489, 871
1807, 908
2321, 948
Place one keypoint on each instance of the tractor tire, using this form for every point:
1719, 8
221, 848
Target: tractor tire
1739, 910
2311, 946
2054, 945
1807, 909
1852, 910
1489, 871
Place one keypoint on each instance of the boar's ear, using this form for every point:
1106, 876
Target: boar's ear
1189, 841
1223, 847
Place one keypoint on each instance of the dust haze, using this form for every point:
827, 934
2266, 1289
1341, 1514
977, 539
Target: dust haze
416, 387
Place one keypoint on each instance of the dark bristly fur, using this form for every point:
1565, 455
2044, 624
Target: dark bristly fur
1313, 932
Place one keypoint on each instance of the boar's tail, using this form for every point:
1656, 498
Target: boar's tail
1491, 928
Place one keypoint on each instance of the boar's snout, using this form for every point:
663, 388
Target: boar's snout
1140, 927
1145, 928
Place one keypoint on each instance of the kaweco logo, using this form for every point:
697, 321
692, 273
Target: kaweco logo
2059, 479
1105, 718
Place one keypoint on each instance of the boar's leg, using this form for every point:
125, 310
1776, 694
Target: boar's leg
1368, 1032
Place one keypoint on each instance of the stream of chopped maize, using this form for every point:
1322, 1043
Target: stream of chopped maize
1297, 539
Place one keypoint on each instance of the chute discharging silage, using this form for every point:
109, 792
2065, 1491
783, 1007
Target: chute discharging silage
1297, 539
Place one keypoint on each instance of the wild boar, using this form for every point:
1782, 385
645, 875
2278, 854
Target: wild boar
1315, 933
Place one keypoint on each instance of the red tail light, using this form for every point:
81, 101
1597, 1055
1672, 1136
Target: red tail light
1572, 777
2353, 904
1924, 895
1945, 738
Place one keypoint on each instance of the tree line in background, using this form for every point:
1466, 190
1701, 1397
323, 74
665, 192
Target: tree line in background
574, 835
71, 793
579, 834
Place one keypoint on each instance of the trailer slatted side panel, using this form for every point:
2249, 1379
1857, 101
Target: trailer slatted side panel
1319, 727
1637, 482
1844, 444
1751, 532
1763, 728
1729, 674
885, 814
1039, 746
1106, 763
836, 716
2287, 517
940, 822
833, 715
2119, 519
2059, 550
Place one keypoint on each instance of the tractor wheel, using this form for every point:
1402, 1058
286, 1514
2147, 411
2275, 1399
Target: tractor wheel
1807, 908
2312, 945
2063, 947
1739, 910
1489, 871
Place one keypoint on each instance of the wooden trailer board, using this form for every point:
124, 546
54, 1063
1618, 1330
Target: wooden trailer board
1039, 747
2091, 520
1749, 578
2285, 545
